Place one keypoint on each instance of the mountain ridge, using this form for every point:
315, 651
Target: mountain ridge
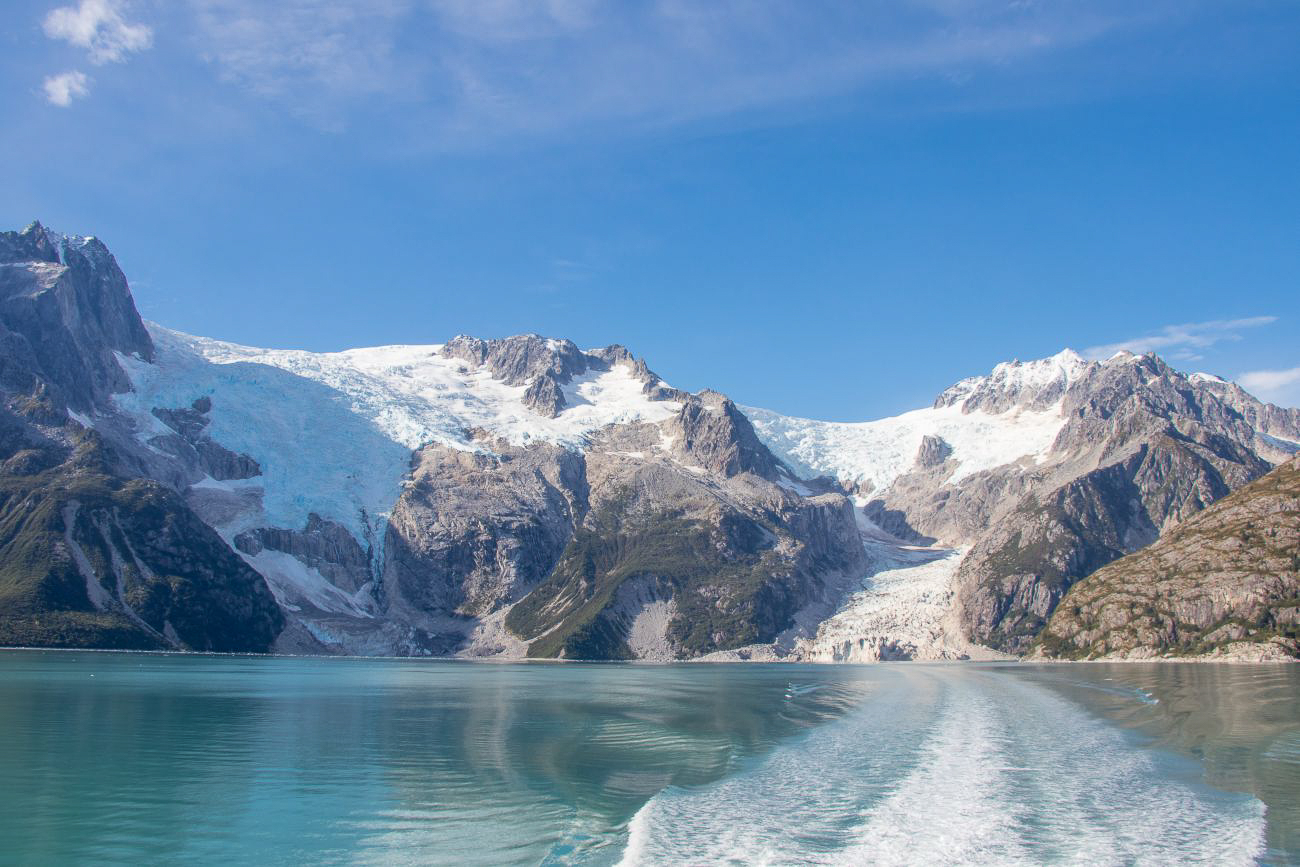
522, 496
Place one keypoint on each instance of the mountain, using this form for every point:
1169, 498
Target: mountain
92, 553
480, 497
523, 496
1014, 486
1224, 582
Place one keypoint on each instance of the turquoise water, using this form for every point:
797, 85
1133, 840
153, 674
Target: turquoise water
134, 758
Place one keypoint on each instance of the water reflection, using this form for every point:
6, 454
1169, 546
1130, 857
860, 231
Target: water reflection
129, 759
124, 759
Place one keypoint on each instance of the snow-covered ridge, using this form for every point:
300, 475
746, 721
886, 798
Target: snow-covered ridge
1012, 414
334, 432
1031, 384
417, 396
874, 454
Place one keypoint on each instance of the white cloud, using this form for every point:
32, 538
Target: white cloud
99, 27
1182, 342
61, 89
1281, 387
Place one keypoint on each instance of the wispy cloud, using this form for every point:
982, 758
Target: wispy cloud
99, 27
1182, 342
466, 70
1281, 387
63, 88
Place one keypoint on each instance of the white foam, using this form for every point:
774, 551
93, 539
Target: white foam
952, 765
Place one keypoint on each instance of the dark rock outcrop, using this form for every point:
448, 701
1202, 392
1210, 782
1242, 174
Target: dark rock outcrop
196, 448
323, 545
933, 451
714, 433
65, 309
545, 396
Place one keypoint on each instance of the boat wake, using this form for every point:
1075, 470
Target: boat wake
955, 766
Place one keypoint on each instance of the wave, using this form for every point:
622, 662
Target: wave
955, 766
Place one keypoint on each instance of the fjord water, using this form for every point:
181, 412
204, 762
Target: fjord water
141, 758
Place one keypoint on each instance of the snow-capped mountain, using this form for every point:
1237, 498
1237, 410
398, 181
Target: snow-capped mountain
1035, 475
523, 496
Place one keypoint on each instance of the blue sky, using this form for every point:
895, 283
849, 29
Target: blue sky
833, 209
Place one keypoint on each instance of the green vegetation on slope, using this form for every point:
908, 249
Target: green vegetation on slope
724, 583
1227, 578
164, 578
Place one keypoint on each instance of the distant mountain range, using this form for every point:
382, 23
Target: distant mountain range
523, 497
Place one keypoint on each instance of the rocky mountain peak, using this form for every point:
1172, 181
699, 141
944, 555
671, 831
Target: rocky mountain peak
65, 309
520, 359
1034, 385
546, 364
33, 244
715, 433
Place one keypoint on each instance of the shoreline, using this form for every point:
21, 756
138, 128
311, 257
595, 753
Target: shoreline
1200, 660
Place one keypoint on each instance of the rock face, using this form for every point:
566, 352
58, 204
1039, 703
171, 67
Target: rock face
1141, 451
933, 452
1224, 582
476, 530
688, 536
711, 431
65, 309
91, 555
647, 541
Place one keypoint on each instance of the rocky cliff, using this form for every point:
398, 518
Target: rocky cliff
1225, 582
